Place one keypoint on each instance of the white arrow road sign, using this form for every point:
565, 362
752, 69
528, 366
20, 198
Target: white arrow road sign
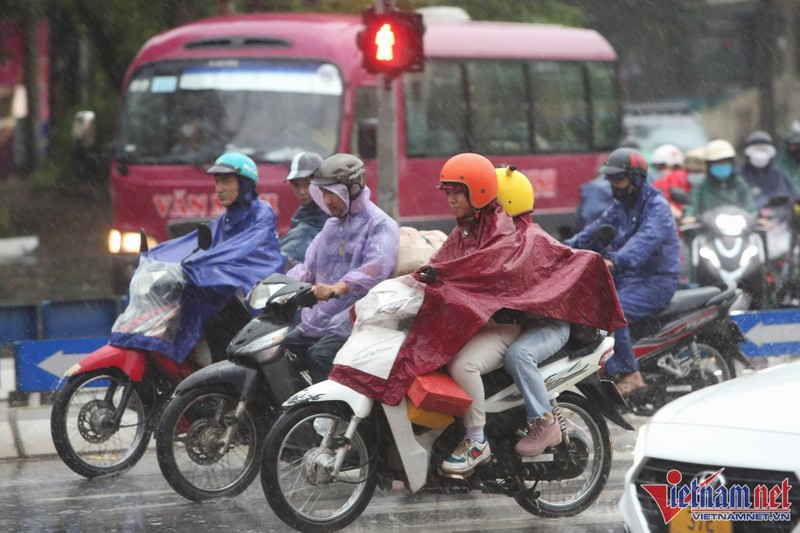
59, 362
761, 333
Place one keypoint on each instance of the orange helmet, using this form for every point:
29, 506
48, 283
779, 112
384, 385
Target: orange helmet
476, 173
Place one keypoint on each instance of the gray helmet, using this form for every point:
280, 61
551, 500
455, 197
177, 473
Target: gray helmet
345, 169
304, 165
759, 137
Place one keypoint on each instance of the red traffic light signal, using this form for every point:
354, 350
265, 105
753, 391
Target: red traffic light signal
391, 42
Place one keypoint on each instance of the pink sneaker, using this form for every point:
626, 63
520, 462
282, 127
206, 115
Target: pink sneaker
541, 436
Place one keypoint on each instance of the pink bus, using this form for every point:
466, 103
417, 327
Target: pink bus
542, 97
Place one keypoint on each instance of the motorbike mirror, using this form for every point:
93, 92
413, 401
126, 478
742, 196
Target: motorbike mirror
204, 237
678, 195
605, 234
142, 241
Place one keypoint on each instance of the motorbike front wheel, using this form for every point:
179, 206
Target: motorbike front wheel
82, 423
297, 468
190, 444
589, 449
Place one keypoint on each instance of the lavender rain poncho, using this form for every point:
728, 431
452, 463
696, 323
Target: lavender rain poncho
359, 249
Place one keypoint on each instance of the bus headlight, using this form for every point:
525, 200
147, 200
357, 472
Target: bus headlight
126, 242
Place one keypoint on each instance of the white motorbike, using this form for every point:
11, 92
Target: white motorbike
325, 455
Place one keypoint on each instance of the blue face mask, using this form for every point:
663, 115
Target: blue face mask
721, 171
696, 177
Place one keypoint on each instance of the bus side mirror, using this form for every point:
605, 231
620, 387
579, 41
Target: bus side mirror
368, 138
83, 129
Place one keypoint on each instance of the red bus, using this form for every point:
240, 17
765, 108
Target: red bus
542, 97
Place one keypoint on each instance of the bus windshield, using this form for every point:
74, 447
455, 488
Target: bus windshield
191, 112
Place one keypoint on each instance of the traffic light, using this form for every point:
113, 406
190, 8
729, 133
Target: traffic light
391, 42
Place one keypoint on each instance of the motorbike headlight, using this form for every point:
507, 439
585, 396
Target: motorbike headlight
749, 253
731, 225
265, 348
260, 294
709, 255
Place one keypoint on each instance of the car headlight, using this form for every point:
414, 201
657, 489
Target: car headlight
730, 225
126, 242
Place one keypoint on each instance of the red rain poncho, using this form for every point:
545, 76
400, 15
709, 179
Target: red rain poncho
484, 266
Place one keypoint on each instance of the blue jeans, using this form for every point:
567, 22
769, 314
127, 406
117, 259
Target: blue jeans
523, 357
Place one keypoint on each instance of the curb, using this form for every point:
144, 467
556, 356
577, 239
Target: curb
25, 431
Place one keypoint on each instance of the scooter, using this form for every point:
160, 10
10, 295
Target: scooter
332, 446
690, 345
727, 247
105, 412
210, 435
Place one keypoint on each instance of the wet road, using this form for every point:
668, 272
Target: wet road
44, 495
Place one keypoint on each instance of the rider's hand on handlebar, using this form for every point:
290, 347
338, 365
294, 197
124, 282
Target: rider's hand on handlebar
326, 292
765, 222
609, 264
688, 220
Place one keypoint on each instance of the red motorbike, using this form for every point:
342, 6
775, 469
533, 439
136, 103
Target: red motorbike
105, 412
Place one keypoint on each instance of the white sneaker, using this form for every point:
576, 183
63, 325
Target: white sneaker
467, 456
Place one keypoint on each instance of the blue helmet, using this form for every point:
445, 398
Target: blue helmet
235, 163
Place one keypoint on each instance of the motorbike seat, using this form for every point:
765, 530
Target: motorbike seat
687, 300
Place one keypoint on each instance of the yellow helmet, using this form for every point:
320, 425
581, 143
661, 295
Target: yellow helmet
514, 191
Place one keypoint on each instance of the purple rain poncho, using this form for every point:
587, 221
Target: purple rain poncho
359, 249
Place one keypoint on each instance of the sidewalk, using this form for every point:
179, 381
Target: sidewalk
25, 431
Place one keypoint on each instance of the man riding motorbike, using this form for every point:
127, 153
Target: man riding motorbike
643, 257
356, 250
244, 250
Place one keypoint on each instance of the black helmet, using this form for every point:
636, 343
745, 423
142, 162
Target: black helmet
626, 160
303, 165
345, 169
759, 137
792, 137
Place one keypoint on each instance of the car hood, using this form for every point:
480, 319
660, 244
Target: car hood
763, 401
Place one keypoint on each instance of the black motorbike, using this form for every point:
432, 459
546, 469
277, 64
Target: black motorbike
210, 435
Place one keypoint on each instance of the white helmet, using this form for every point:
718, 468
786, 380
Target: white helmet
719, 149
667, 154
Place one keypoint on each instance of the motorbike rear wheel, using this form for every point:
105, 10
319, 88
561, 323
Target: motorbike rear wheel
590, 446
82, 423
296, 468
712, 367
189, 444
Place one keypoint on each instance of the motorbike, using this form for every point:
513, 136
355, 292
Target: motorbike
332, 446
210, 435
107, 405
727, 247
690, 345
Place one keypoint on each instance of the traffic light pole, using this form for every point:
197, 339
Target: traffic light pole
387, 135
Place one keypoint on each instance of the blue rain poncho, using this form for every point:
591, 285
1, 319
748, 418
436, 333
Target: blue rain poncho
244, 251
359, 248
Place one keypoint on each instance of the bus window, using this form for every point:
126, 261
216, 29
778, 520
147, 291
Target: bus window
435, 111
560, 107
605, 105
498, 107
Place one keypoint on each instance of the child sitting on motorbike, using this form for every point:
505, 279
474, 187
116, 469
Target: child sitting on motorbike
356, 249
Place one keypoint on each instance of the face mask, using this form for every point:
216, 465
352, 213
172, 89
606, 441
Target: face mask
695, 178
759, 155
627, 196
721, 171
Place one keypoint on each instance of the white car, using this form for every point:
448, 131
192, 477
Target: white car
750, 428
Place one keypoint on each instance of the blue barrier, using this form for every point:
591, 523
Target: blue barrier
18, 323
770, 332
79, 318
39, 365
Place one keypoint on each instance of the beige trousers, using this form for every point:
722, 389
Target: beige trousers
482, 354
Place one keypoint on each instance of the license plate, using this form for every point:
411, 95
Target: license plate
684, 523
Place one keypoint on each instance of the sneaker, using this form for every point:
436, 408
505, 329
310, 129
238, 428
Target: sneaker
467, 456
541, 436
629, 383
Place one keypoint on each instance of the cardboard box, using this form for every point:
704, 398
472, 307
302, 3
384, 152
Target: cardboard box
438, 392
429, 419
